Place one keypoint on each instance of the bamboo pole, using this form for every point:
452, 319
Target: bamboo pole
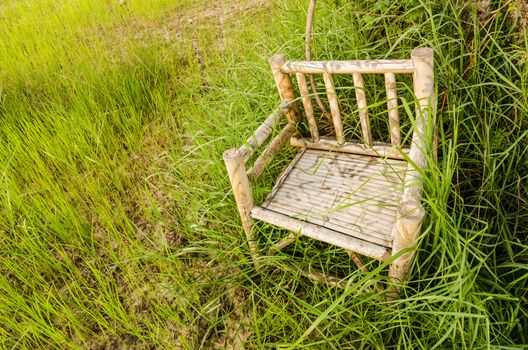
307, 103
405, 232
423, 81
361, 97
392, 107
357, 260
334, 108
308, 56
332, 281
349, 67
285, 87
410, 212
326, 144
273, 148
261, 134
320, 233
234, 161
325, 279
283, 243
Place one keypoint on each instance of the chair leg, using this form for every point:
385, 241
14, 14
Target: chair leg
357, 260
406, 231
253, 246
283, 243
236, 169
397, 276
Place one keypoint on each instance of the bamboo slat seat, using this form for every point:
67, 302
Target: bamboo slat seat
353, 195
360, 195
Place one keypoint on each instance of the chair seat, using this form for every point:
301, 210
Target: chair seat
343, 199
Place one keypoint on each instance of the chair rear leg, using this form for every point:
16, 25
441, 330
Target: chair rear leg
361, 265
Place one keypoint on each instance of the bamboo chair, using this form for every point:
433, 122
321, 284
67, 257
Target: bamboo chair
363, 196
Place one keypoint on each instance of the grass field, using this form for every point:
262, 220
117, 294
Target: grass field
118, 229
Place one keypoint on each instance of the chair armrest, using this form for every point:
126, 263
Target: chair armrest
273, 148
261, 134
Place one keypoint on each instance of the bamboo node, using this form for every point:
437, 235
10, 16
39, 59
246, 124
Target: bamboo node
422, 52
411, 210
232, 154
278, 58
286, 106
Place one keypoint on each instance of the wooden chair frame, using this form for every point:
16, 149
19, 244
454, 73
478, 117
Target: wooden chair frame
409, 214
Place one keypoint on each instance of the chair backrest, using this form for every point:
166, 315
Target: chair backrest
420, 65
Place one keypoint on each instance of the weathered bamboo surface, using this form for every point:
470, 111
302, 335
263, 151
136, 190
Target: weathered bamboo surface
261, 134
423, 85
273, 148
348, 67
234, 161
330, 144
392, 107
351, 195
308, 108
405, 232
321, 233
334, 108
361, 98
285, 87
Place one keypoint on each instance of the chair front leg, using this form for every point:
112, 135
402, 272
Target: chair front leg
405, 233
234, 161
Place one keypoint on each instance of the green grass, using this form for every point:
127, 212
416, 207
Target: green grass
117, 225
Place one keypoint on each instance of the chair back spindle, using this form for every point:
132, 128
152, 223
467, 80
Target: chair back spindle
392, 107
307, 103
361, 98
334, 108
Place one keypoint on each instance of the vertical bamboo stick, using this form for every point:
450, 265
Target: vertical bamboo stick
405, 232
234, 161
362, 105
308, 109
410, 212
423, 81
392, 106
334, 108
285, 87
